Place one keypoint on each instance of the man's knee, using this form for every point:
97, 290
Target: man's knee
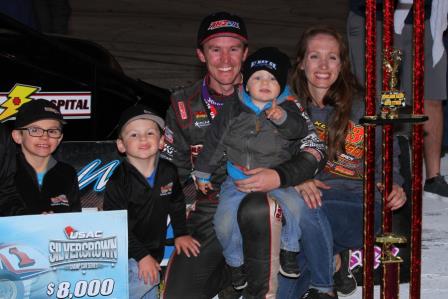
254, 209
259, 219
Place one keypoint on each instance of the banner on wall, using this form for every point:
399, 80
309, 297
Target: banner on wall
72, 104
71, 255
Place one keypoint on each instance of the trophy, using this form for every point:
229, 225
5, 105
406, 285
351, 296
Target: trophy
392, 99
388, 240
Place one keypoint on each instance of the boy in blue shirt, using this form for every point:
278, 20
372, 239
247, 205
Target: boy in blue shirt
149, 189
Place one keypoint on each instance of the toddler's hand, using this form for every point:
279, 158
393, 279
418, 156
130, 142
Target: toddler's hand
204, 186
275, 113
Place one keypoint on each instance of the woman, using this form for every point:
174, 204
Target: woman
334, 218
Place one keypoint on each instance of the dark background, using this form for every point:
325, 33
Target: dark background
155, 40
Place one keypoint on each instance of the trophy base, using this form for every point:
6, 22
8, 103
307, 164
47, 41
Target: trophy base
392, 260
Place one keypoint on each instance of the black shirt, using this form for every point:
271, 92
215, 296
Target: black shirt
59, 192
148, 207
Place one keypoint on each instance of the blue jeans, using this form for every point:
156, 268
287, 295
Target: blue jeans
293, 288
226, 224
137, 287
336, 226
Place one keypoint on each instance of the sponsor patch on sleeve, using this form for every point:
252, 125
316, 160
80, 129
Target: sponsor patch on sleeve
60, 200
169, 135
182, 110
167, 189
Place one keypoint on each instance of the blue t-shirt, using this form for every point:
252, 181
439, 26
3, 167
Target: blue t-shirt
40, 178
151, 179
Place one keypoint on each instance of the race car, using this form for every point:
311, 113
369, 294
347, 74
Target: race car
87, 84
80, 76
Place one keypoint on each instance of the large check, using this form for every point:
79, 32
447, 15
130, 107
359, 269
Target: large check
72, 255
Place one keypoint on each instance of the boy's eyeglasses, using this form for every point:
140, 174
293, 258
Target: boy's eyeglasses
39, 132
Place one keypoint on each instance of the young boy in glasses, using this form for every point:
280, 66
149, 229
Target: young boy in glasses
44, 184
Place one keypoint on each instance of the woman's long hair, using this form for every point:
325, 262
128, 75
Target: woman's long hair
340, 95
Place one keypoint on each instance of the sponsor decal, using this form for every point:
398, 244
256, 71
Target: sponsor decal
194, 152
212, 106
211, 102
167, 189
73, 105
200, 115
168, 149
301, 109
344, 171
278, 212
321, 130
264, 63
354, 143
347, 157
348, 164
90, 173
169, 136
213, 112
357, 257
202, 124
311, 141
182, 110
68, 230
14, 99
223, 24
354, 150
60, 200
356, 134
82, 250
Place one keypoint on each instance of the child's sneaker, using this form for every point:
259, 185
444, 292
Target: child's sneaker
229, 293
238, 275
344, 281
288, 264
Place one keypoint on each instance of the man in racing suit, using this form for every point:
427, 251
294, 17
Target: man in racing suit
222, 46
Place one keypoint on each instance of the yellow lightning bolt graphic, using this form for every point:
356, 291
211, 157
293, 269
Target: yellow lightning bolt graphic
16, 98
